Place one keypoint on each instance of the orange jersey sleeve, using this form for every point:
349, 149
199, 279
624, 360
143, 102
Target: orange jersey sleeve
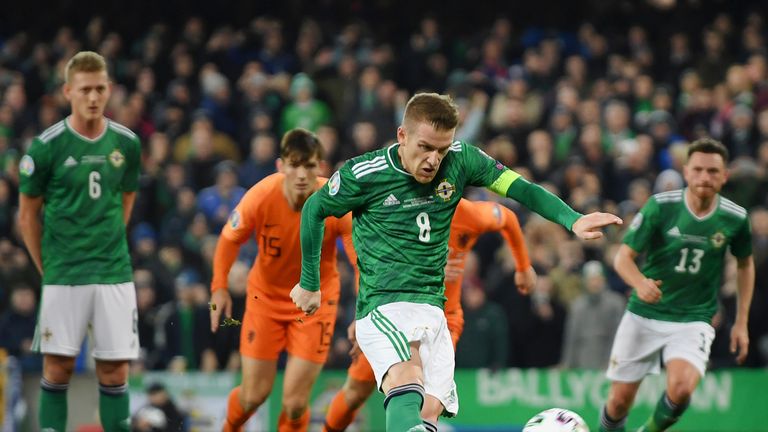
472, 219
238, 229
513, 234
265, 214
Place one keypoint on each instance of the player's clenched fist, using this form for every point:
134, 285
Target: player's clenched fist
307, 301
649, 291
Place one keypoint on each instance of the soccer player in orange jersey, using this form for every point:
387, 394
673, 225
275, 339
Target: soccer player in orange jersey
271, 212
472, 219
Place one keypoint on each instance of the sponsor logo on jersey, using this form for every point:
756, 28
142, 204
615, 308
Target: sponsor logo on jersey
116, 158
391, 201
234, 219
674, 232
93, 159
27, 165
70, 162
499, 166
445, 190
718, 239
419, 201
334, 184
636, 222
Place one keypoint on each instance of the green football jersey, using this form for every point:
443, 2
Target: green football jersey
82, 182
401, 227
686, 253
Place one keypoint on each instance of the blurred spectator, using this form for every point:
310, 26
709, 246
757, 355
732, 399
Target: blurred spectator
201, 149
483, 343
591, 322
182, 327
17, 328
304, 111
160, 413
217, 201
260, 162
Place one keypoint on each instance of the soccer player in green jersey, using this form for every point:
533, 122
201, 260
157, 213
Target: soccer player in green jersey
684, 234
403, 198
82, 174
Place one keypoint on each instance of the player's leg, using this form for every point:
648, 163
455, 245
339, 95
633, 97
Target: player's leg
62, 324
300, 376
686, 354
257, 379
636, 353
261, 340
52, 405
308, 342
357, 388
114, 404
388, 338
621, 396
438, 357
116, 341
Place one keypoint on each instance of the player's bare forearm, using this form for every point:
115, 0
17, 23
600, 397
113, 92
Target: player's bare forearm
745, 282
129, 198
31, 227
624, 263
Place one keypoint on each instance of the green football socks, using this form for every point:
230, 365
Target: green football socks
403, 408
52, 411
114, 408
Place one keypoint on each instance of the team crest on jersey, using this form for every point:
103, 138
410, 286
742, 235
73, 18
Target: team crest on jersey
718, 239
234, 219
334, 184
116, 158
445, 190
27, 165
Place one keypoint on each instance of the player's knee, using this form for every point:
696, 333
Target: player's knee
680, 392
294, 407
58, 370
357, 392
252, 399
619, 404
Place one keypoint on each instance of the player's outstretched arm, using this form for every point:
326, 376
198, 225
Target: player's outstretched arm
306, 294
548, 205
589, 227
745, 280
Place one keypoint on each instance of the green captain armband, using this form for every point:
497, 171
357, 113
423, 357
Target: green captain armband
505, 180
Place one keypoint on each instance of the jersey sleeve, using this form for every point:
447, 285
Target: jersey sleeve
641, 230
35, 169
483, 170
242, 220
741, 244
514, 237
488, 216
338, 197
130, 181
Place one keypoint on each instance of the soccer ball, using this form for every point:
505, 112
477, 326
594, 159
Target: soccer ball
556, 420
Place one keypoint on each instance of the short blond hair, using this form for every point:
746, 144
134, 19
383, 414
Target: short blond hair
84, 61
438, 110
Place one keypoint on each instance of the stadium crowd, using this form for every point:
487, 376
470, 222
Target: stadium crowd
597, 115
